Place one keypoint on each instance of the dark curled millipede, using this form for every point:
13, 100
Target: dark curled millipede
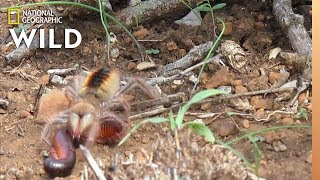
62, 157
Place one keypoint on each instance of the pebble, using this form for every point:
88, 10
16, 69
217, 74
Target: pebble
131, 66
141, 33
261, 17
240, 89
44, 80
258, 102
260, 113
16, 97
24, 114
259, 25
47, 109
182, 52
309, 158
246, 123
228, 28
225, 128
274, 136
206, 106
302, 97
236, 82
220, 78
287, 121
56, 79
172, 46
177, 82
274, 77
279, 146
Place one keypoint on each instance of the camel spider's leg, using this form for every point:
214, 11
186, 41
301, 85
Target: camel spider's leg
138, 82
58, 120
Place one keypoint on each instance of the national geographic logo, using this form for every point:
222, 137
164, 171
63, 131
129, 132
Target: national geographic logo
13, 16
30, 16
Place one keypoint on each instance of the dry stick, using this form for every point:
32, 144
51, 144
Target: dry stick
93, 164
162, 109
162, 79
299, 38
152, 10
193, 56
159, 101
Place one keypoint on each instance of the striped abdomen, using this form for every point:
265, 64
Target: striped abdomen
103, 83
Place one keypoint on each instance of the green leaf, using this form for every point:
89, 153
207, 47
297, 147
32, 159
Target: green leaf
204, 8
201, 129
196, 98
135, 127
152, 51
230, 113
303, 113
172, 122
219, 6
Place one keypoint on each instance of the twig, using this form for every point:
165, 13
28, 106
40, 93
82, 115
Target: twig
162, 109
162, 79
194, 55
293, 24
93, 164
62, 71
159, 101
152, 10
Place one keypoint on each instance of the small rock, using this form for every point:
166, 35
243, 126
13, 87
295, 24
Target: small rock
128, 97
261, 17
302, 98
131, 66
139, 156
258, 102
204, 78
172, 46
115, 52
274, 77
56, 79
240, 89
24, 114
228, 28
2, 111
145, 65
16, 97
274, 136
220, 78
182, 52
309, 158
193, 78
236, 83
47, 110
246, 123
225, 128
260, 113
259, 25
44, 80
177, 82
141, 33
258, 83
187, 42
206, 106
279, 146
287, 121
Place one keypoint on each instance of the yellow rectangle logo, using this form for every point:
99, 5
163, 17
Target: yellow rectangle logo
13, 16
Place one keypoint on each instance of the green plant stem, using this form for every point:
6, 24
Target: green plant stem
213, 47
105, 26
266, 130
